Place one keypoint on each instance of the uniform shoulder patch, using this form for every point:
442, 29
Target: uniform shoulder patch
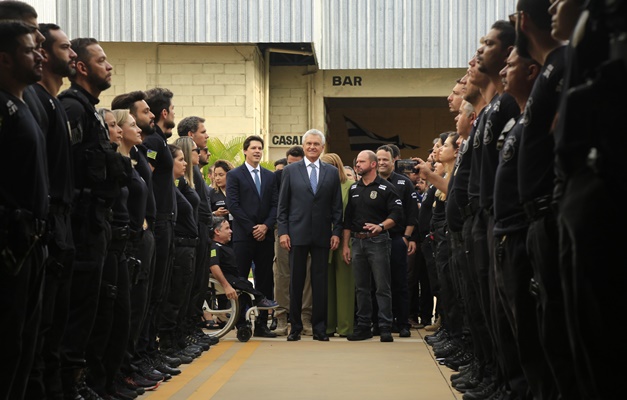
151, 154
214, 252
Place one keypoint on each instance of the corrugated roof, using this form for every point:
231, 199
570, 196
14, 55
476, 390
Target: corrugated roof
346, 34
376, 34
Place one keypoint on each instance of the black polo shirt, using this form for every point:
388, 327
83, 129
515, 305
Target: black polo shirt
373, 203
503, 109
509, 215
204, 207
474, 179
187, 210
224, 257
536, 173
159, 157
58, 148
24, 163
138, 154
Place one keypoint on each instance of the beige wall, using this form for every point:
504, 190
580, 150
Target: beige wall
223, 84
226, 85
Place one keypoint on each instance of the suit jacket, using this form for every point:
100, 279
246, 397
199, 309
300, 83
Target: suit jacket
310, 219
247, 206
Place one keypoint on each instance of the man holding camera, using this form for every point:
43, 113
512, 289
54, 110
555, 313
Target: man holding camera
402, 244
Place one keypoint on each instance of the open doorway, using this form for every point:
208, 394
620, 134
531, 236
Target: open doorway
412, 121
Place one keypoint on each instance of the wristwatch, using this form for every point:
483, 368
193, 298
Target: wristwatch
407, 237
382, 227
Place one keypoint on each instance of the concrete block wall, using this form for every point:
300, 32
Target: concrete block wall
223, 84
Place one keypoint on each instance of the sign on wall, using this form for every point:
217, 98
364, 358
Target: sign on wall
286, 140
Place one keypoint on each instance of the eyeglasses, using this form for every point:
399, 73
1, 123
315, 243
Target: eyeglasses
197, 150
513, 17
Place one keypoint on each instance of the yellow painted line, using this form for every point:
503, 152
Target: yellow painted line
167, 389
222, 376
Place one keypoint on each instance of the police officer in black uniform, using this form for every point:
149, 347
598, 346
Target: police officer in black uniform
141, 245
23, 208
59, 59
401, 236
590, 146
536, 179
160, 102
98, 173
373, 208
194, 127
171, 339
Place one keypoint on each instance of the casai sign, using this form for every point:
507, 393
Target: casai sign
286, 140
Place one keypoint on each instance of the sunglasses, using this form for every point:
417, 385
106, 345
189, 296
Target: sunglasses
197, 150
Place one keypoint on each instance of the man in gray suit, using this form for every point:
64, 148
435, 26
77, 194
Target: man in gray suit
309, 221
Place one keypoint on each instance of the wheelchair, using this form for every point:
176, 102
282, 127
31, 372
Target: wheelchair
228, 311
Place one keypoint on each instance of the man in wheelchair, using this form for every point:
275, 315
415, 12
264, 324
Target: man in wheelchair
224, 270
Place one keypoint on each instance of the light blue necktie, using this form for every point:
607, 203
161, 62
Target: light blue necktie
313, 178
257, 181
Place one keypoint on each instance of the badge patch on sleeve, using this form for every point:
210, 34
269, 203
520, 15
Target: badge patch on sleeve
151, 154
214, 253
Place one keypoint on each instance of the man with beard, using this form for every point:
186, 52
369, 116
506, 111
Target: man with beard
141, 247
373, 208
160, 102
401, 243
98, 175
589, 147
194, 127
23, 207
58, 62
21, 11
536, 179
501, 107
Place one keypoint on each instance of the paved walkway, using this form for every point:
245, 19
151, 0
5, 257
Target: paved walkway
275, 369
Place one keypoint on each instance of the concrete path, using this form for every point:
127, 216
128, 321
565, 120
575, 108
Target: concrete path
275, 369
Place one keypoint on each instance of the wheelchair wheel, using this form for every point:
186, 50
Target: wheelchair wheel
244, 333
226, 310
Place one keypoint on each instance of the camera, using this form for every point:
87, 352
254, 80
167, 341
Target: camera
405, 166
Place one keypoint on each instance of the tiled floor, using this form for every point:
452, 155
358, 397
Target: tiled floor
276, 369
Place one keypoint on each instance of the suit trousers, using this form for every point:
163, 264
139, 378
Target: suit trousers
262, 254
281, 268
319, 286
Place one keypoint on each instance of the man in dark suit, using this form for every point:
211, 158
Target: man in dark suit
251, 197
309, 220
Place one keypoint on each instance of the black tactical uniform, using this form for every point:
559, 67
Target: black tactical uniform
23, 210
45, 375
98, 171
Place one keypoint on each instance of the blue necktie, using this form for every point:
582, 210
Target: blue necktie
313, 178
257, 181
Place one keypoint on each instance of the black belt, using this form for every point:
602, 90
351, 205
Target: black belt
135, 235
59, 208
165, 216
120, 232
538, 207
470, 209
25, 219
186, 242
456, 236
363, 235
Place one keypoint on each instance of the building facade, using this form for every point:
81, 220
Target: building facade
381, 69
